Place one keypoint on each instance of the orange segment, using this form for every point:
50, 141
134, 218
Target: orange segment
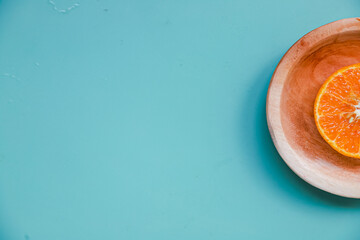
332, 125
340, 88
352, 77
348, 138
329, 104
337, 111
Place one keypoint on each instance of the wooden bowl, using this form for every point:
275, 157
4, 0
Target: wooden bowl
290, 103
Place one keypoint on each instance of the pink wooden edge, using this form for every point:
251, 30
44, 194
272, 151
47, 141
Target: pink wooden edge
273, 110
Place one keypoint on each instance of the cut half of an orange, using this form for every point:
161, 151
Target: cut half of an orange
337, 111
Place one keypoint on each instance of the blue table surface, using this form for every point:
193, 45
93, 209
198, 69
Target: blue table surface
124, 119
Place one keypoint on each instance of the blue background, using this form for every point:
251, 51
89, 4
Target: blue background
146, 120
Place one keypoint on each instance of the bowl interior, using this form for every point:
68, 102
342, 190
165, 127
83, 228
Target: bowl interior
297, 102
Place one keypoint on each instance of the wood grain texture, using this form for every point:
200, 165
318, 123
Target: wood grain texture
290, 102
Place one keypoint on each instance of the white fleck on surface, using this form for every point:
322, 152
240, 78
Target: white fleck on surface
9, 75
64, 10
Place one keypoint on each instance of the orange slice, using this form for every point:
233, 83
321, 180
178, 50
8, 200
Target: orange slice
337, 111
